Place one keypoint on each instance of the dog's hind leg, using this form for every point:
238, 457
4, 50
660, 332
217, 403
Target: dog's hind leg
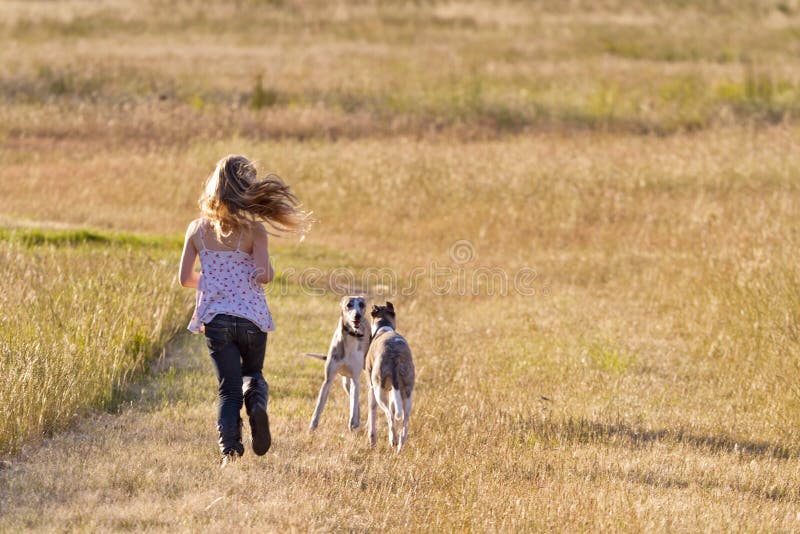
372, 412
355, 409
383, 401
346, 384
406, 415
381, 397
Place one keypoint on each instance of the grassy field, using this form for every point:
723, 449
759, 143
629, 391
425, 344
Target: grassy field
586, 218
83, 312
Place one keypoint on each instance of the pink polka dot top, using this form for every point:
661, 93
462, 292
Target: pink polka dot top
228, 285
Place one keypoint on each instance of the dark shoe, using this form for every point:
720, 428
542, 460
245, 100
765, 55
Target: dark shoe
230, 438
259, 426
255, 391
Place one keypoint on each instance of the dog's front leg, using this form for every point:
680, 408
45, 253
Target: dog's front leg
355, 410
330, 372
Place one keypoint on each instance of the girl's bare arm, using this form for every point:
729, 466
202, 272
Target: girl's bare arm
264, 271
187, 275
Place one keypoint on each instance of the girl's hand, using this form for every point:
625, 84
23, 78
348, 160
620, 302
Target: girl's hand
264, 271
187, 275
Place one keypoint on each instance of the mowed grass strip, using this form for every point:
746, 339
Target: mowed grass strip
83, 313
60, 238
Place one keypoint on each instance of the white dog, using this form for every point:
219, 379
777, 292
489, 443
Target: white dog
345, 356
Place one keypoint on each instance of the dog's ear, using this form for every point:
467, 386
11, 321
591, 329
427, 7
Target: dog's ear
375, 310
389, 306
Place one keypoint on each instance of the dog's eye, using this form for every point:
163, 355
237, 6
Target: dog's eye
350, 304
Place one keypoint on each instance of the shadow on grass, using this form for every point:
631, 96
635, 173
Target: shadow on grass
764, 490
586, 431
625, 435
759, 489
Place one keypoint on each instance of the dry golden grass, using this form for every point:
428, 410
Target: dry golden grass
165, 72
78, 322
662, 331
485, 453
648, 383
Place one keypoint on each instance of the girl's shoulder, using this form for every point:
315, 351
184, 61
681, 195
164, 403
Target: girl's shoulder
194, 225
194, 232
201, 226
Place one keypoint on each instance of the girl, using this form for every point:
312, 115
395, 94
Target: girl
231, 240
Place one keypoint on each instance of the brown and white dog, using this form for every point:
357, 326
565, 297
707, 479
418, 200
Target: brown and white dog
390, 372
345, 356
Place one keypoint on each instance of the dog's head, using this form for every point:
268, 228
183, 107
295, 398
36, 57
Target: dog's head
384, 314
353, 310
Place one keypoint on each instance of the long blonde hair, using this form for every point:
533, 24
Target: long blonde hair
233, 198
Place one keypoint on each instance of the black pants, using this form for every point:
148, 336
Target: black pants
237, 348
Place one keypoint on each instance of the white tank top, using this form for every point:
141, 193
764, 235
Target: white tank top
228, 285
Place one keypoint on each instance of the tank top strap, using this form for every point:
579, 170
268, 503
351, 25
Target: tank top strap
200, 234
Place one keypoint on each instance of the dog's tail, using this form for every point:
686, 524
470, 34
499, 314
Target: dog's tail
397, 399
316, 355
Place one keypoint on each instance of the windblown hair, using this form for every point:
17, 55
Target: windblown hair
234, 198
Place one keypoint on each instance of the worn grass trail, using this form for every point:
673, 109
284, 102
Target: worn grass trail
152, 465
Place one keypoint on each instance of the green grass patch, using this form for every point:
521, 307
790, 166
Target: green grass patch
32, 237
608, 356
